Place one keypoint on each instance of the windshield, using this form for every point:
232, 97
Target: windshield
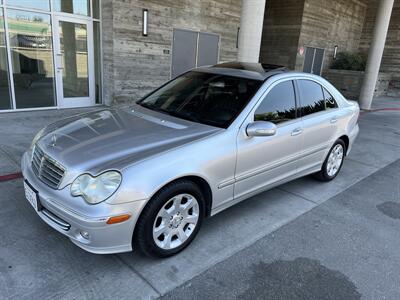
205, 98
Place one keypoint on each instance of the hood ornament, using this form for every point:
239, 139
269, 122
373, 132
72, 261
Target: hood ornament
53, 141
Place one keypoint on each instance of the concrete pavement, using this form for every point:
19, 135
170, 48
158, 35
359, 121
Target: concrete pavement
36, 261
346, 248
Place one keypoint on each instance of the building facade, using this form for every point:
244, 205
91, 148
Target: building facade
319, 28
73, 53
50, 54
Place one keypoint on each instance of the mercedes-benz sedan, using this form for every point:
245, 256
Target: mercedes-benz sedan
146, 175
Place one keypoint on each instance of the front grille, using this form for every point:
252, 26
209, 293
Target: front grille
46, 168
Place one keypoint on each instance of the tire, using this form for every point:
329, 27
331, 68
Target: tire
327, 174
168, 224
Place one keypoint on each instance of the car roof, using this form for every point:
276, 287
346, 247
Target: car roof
255, 71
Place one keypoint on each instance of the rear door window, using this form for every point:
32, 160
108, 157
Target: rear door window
312, 99
330, 102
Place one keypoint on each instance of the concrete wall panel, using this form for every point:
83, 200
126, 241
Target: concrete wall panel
138, 64
328, 23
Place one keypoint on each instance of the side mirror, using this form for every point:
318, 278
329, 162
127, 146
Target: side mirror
261, 128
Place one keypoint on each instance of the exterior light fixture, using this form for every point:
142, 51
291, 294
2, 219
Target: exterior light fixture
237, 38
335, 49
145, 21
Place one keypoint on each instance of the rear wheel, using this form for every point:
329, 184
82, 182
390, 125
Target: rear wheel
171, 219
333, 162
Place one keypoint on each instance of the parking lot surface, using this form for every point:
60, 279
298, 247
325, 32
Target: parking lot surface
292, 240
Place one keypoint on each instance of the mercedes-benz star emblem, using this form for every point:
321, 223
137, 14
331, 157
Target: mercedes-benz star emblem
53, 140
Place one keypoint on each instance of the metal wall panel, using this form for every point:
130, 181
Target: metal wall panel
184, 51
207, 49
313, 60
318, 60
308, 60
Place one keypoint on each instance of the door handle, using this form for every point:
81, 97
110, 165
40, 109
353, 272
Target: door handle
334, 120
297, 131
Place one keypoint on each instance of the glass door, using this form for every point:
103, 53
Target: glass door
74, 64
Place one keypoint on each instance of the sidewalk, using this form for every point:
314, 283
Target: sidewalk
36, 261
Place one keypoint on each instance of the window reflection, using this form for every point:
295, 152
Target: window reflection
96, 9
330, 102
36, 4
279, 105
74, 51
31, 51
5, 99
97, 60
312, 99
79, 7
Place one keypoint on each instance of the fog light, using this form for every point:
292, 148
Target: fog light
85, 234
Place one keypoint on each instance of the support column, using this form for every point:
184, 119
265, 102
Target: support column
251, 26
375, 53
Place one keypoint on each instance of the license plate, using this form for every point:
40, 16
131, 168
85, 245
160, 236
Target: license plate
31, 196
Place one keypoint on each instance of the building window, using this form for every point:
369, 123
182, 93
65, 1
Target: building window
5, 99
97, 61
96, 9
49, 58
77, 7
31, 49
35, 4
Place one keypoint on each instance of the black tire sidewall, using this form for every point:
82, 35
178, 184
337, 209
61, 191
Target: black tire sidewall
144, 236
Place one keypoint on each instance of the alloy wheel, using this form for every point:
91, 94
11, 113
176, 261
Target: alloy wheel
176, 221
335, 160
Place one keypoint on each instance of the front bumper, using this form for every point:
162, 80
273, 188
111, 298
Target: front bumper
70, 220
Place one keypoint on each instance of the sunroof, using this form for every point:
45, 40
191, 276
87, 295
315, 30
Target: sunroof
254, 67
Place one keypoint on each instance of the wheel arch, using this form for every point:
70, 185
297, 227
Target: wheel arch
202, 184
199, 181
346, 141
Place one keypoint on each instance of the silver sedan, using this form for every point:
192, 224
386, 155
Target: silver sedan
146, 175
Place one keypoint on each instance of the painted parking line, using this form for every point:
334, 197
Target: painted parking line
363, 112
11, 176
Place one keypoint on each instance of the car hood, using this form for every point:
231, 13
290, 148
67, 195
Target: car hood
116, 138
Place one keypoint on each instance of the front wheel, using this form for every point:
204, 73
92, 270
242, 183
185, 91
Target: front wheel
333, 163
171, 219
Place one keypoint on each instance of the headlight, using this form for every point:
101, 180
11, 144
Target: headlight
37, 137
96, 189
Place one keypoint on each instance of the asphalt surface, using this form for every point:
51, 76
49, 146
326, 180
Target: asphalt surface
304, 239
346, 248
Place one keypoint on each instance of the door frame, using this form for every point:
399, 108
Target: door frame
76, 101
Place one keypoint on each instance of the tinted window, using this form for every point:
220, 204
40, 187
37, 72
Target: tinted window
330, 102
279, 105
206, 98
312, 99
